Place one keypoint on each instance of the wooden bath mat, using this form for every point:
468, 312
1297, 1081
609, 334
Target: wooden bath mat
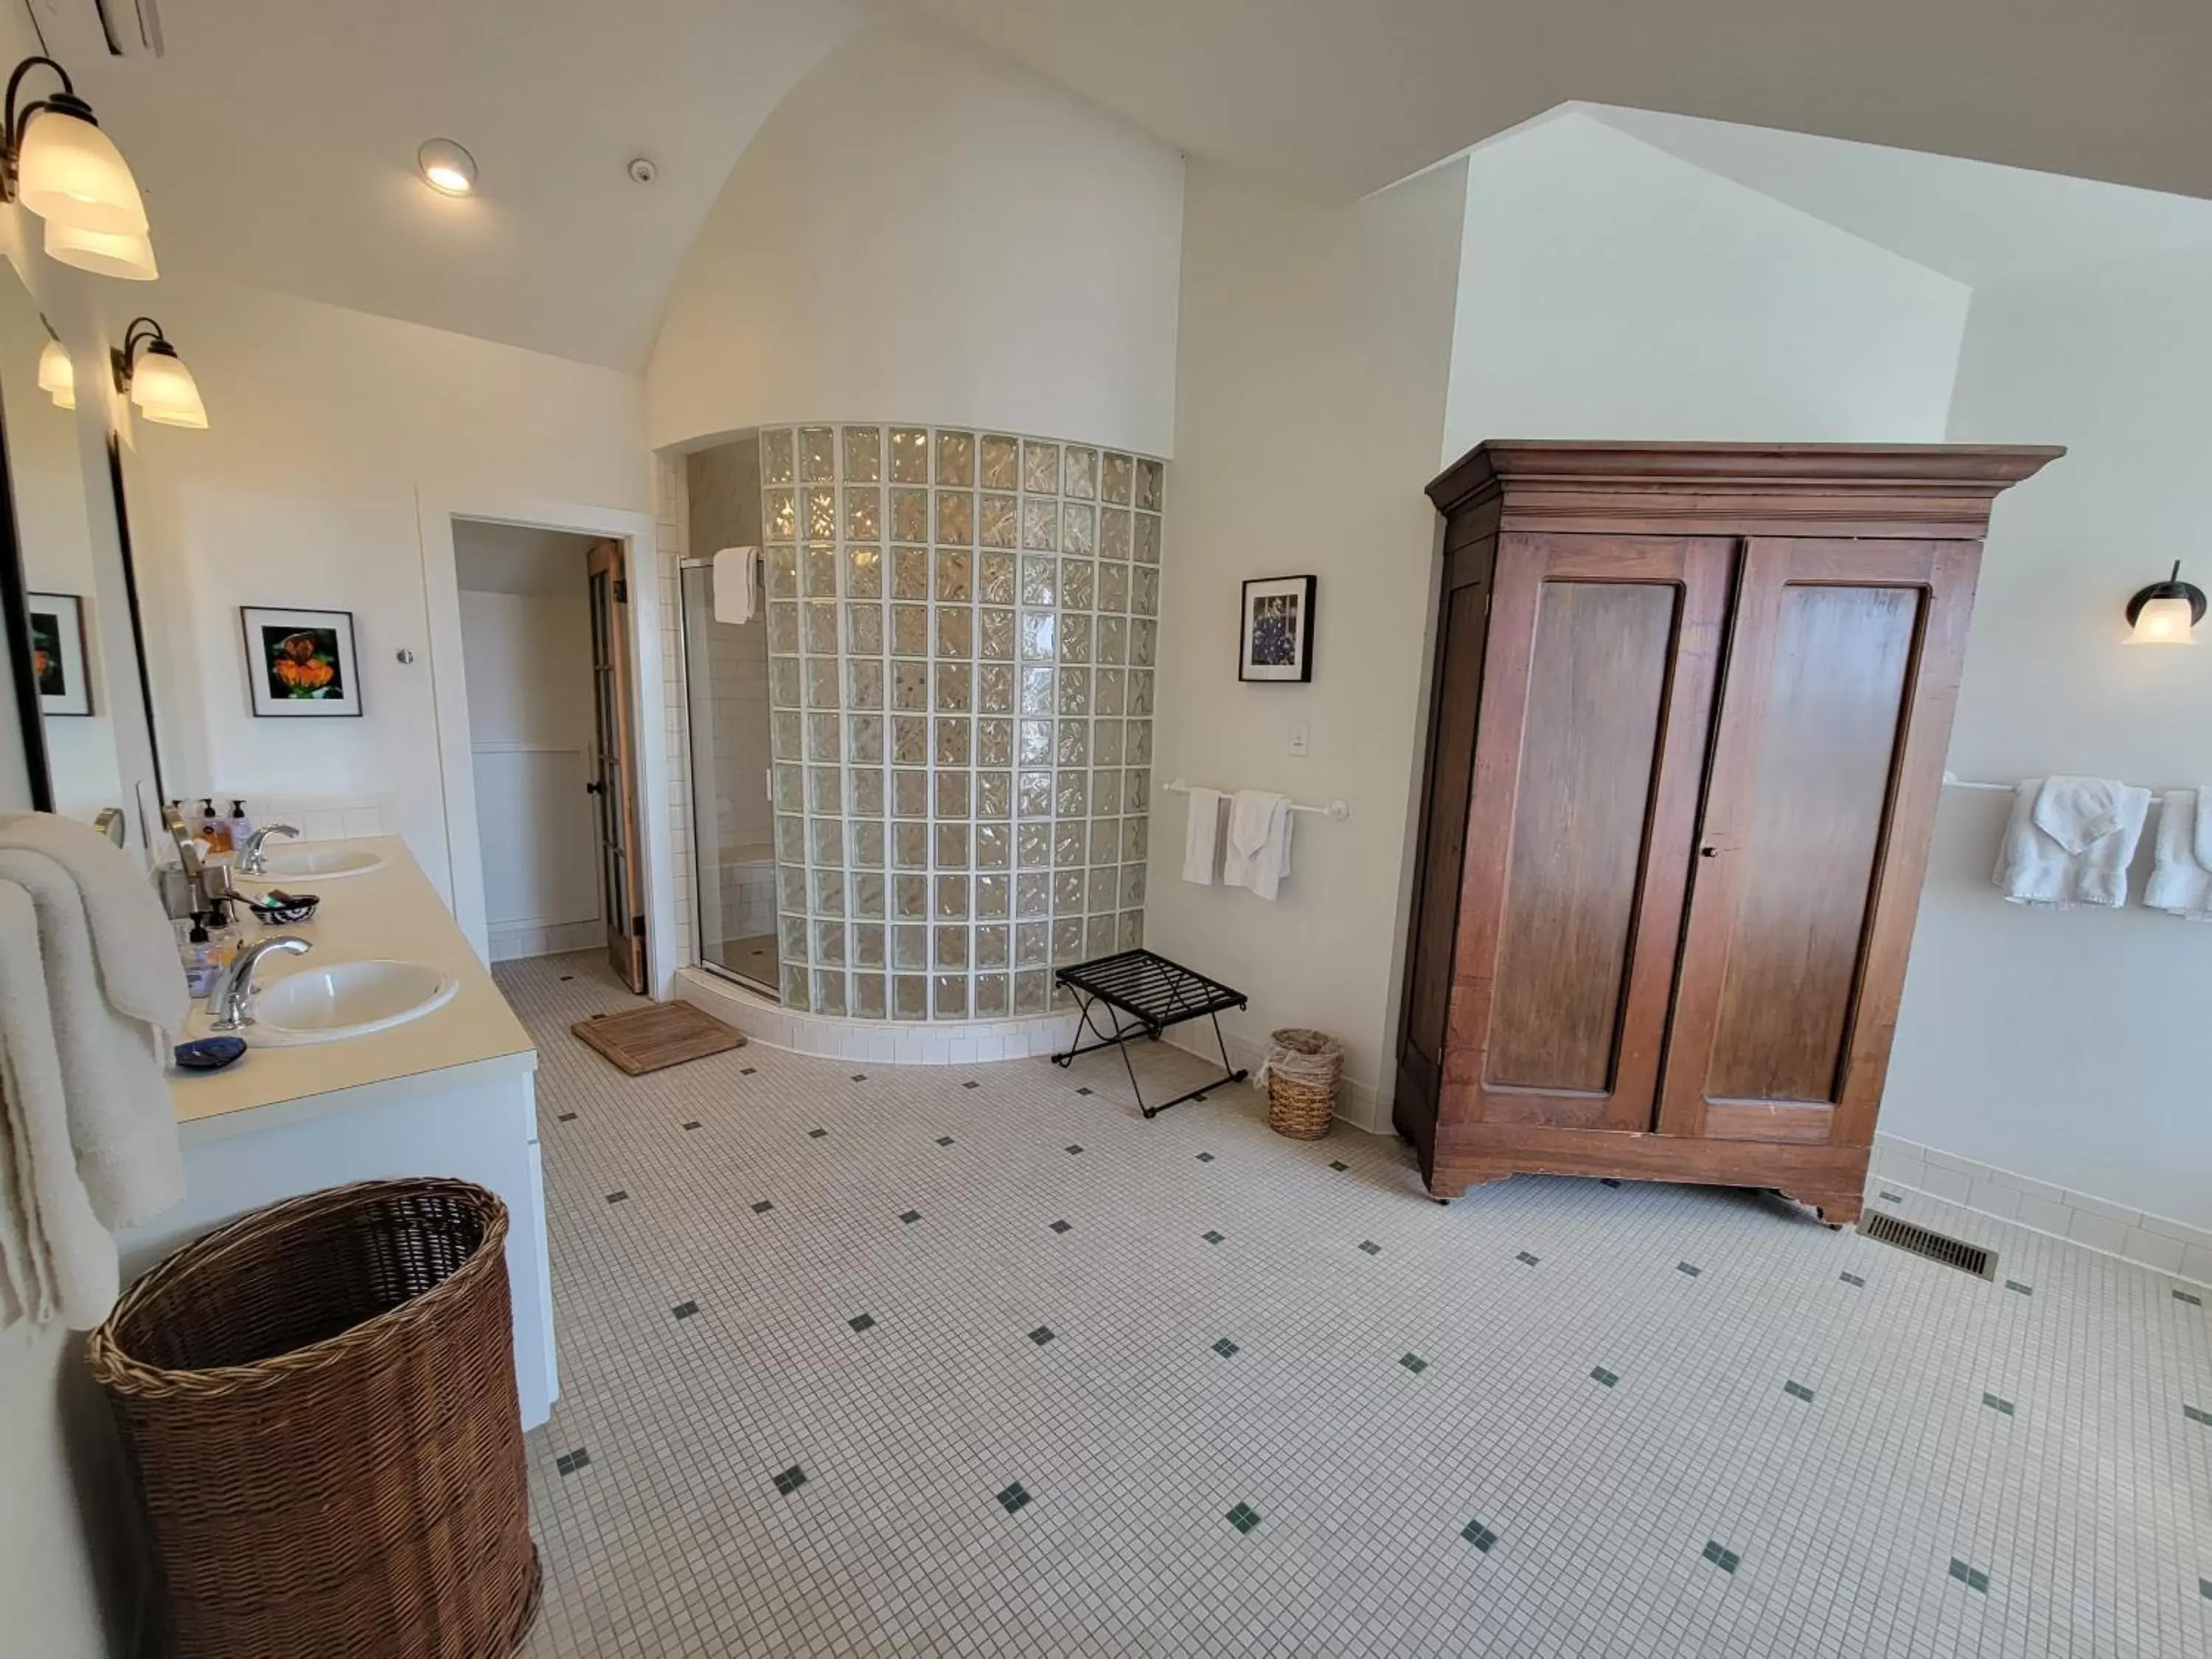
666, 1034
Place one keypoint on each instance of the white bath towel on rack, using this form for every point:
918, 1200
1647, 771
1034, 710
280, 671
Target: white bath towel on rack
1259, 855
2181, 868
2069, 841
1201, 836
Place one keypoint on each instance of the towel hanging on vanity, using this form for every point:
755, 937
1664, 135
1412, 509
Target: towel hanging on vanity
2181, 872
2069, 841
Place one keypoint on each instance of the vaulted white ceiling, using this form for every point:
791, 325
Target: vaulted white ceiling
277, 138
1352, 95
276, 142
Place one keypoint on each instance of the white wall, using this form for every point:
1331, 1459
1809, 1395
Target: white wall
1609, 290
531, 735
2066, 1047
922, 232
1315, 341
323, 424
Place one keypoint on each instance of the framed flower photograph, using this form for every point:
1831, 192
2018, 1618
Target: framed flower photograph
1276, 642
59, 663
300, 663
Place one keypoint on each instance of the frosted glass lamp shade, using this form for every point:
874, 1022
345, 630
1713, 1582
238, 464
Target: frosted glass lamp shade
2163, 622
68, 172
57, 376
2166, 613
105, 254
446, 168
164, 390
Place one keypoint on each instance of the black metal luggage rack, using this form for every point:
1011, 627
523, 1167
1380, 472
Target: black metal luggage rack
1155, 993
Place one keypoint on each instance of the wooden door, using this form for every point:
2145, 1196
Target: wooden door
614, 772
1828, 760
1597, 695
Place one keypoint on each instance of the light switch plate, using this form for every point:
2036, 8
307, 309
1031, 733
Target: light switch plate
1301, 737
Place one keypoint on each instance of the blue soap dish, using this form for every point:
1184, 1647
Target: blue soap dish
210, 1053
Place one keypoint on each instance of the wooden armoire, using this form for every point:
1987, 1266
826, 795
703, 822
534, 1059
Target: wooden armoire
1685, 745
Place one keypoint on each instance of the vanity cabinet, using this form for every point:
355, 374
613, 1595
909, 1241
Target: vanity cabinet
1691, 703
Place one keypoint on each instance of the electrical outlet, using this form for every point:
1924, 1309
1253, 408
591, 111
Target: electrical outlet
1301, 737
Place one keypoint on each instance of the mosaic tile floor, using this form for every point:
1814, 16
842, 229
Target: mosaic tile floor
970, 1361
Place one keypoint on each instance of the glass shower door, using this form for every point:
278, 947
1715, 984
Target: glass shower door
726, 688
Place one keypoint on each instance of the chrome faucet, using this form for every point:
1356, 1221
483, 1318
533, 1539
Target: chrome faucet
229, 1004
251, 860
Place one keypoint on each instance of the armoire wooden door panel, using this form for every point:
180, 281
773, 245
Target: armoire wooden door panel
1443, 830
1843, 665
1597, 695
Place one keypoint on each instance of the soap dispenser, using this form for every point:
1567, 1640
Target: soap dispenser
241, 827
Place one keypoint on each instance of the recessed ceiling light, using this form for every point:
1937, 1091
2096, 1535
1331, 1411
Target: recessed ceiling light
446, 168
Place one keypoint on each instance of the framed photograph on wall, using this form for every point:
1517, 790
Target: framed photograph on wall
1276, 642
59, 663
300, 663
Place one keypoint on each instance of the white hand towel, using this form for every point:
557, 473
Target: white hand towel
2069, 841
2181, 868
1201, 836
59, 1260
1259, 855
732, 579
121, 1123
137, 949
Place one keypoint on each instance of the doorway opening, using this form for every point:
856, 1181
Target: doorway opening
551, 690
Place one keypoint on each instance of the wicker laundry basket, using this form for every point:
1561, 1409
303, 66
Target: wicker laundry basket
319, 1405
1302, 1073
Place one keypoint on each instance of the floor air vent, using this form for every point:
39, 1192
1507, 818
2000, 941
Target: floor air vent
1951, 1252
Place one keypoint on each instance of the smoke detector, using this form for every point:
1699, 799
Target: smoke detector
644, 169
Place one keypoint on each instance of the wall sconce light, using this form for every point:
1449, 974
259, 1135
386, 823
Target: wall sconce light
56, 162
120, 254
57, 374
147, 366
2165, 613
446, 168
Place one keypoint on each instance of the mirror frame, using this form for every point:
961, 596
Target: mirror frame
137, 620
16, 617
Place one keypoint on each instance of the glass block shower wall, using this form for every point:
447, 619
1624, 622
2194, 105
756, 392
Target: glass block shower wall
962, 633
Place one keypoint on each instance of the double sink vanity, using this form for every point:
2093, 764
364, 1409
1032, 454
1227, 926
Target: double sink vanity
383, 1049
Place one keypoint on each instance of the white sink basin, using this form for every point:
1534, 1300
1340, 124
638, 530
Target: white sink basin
316, 864
343, 999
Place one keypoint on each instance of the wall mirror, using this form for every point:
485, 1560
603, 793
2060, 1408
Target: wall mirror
72, 639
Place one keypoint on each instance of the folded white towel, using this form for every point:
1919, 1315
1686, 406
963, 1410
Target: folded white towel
1201, 836
135, 946
2181, 868
1259, 855
59, 1260
736, 599
121, 1123
2069, 841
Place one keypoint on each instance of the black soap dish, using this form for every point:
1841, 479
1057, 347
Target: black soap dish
283, 909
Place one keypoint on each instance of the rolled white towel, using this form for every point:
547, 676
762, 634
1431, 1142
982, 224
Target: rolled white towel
2181, 864
2069, 841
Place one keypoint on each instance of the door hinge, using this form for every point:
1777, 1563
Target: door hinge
621, 591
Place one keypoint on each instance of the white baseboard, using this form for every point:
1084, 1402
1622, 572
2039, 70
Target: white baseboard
887, 1042
512, 943
2147, 1241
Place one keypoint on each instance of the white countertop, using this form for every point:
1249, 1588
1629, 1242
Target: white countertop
392, 911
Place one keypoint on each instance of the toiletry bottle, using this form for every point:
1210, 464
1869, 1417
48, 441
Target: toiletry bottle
241, 827
214, 829
202, 968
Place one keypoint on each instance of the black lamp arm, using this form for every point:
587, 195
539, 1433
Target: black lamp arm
13, 121
2171, 588
124, 357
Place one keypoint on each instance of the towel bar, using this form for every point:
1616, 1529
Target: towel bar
1336, 809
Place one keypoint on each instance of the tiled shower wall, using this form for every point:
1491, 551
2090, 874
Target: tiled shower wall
961, 631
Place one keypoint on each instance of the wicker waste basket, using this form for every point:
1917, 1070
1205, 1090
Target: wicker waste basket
1301, 1076
319, 1405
